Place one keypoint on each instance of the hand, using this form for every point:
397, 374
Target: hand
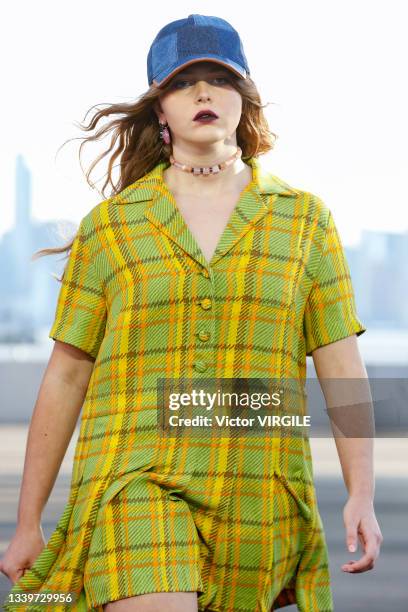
23, 550
359, 520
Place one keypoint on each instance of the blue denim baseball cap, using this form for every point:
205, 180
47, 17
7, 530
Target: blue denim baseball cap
196, 38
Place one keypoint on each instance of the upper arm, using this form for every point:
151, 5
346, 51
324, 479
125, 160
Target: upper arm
339, 359
71, 364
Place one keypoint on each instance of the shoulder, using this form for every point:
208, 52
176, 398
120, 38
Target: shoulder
314, 222
315, 216
304, 206
95, 223
104, 214
303, 212
315, 209
107, 212
297, 202
94, 219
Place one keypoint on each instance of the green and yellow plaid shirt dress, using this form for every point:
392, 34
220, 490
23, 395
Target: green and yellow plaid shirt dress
233, 518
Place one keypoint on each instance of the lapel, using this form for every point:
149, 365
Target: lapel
161, 209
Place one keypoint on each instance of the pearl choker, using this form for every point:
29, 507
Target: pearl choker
206, 171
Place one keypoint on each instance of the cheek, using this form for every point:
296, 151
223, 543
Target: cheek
179, 113
172, 108
233, 108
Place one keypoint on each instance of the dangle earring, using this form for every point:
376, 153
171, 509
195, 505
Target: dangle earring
164, 133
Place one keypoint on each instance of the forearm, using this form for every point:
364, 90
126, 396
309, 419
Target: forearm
54, 418
356, 459
346, 388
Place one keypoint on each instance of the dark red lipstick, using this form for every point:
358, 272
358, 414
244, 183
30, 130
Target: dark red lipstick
205, 115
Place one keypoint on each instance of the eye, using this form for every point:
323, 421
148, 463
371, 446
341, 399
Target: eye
179, 82
224, 79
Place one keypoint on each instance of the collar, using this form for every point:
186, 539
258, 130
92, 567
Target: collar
145, 188
161, 210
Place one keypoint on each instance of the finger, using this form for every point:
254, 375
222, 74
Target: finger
351, 537
351, 569
15, 575
366, 562
362, 540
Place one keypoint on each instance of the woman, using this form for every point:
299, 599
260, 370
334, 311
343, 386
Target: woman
202, 265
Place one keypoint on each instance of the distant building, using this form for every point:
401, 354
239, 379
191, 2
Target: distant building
379, 271
28, 290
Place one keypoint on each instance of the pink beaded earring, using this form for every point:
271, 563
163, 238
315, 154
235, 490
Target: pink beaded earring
164, 133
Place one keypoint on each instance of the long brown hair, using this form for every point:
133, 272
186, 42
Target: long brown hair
135, 133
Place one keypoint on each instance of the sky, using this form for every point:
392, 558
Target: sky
333, 72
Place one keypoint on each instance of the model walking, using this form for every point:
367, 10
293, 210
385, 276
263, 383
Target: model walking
200, 265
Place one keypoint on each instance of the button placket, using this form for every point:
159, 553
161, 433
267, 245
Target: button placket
204, 334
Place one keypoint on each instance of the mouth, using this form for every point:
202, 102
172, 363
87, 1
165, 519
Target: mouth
205, 116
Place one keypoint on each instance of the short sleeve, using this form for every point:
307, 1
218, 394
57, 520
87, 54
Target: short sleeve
80, 316
330, 312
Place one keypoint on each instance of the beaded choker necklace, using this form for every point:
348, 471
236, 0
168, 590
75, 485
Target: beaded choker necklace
207, 170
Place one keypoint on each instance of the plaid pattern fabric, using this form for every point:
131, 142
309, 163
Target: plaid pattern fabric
235, 518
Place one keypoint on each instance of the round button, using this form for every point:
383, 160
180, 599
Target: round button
205, 273
204, 335
206, 303
201, 366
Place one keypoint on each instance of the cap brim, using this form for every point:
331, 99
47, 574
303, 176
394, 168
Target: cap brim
233, 67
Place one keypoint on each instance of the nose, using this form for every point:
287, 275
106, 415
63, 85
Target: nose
202, 90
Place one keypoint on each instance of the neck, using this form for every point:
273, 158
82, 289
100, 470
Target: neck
230, 179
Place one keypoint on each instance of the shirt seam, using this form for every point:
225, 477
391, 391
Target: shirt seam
319, 264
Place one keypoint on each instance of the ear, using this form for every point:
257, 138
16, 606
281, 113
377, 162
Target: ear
158, 110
